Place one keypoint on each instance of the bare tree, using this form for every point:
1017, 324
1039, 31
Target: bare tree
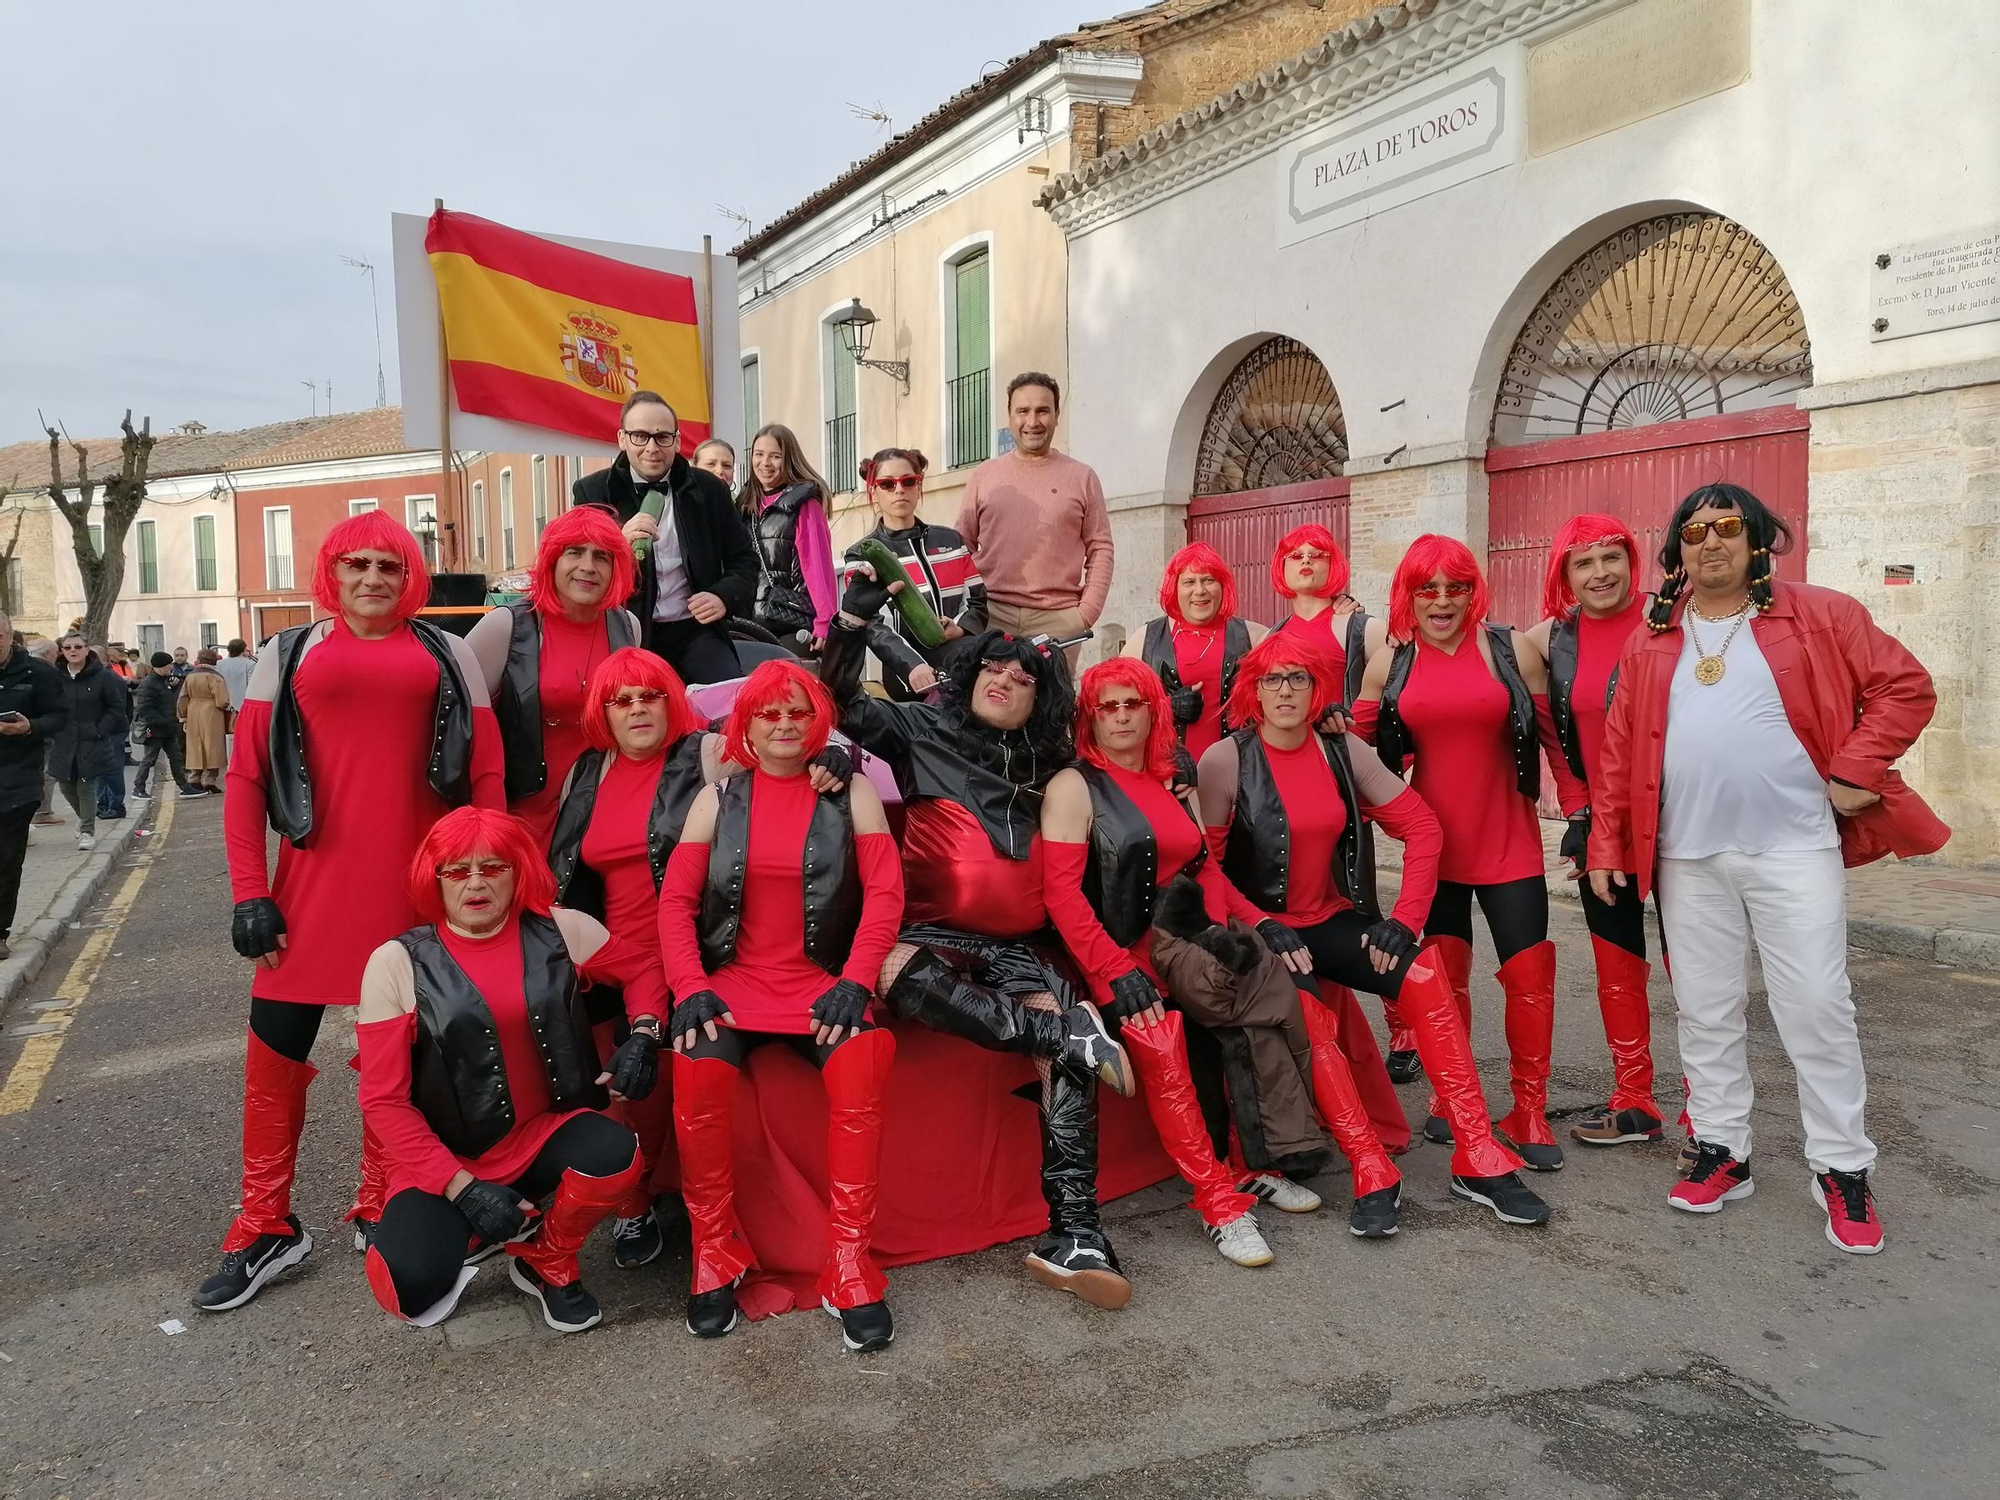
103, 574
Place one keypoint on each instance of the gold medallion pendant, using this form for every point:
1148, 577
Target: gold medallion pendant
1708, 671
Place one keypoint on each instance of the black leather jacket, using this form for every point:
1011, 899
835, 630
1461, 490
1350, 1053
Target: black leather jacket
1257, 856
518, 704
458, 1075
716, 549
1121, 871
831, 879
581, 888
1392, 736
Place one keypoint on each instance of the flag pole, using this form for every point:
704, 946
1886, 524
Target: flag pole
448, 515
708, 329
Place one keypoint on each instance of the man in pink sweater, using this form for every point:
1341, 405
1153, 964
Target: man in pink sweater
1035, 520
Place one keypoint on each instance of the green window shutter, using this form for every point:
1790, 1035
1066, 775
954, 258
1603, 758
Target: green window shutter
149, 559
843, 378
975, 335
204, 552
753, 417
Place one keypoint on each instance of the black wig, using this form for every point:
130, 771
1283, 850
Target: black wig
1047, 733
1769, 537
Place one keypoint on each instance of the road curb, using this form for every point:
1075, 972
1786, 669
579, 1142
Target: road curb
33, 948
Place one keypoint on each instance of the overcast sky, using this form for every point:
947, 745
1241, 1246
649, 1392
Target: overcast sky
181, 181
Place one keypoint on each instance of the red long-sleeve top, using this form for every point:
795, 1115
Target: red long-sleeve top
614, 845
771, 984
570, 653
368, 708
1177, 839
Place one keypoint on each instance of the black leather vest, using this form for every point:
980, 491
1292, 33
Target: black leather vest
581, 888
1562, 688
288, 791
519, 704
832, 879
1392, 736
1121, 871
1158, 653
1257, 857
458, 1074
783, 605
1355, 645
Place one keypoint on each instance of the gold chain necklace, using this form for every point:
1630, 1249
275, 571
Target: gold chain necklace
1708, 669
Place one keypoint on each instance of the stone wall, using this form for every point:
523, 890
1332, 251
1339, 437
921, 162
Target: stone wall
41, 530
1389, 508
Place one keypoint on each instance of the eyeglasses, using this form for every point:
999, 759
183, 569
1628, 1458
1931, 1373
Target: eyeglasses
1694, 532
1112, 707
490, 869
1007, 670
1306, 555
1449, 591
899, 482
388, 567
640, 439
1298, 680
782, 715
643, 699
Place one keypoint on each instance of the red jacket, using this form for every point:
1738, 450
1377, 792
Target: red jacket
1856, 698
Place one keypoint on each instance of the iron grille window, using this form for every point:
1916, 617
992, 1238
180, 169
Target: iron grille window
971, 401
278, 547
843, 470
211, 633
969, 394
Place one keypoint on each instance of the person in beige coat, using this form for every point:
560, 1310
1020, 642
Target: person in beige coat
203, 709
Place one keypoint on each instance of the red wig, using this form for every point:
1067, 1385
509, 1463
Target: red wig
1131, 673
1558, 598
1428, 556
585, 526
371, 531
1197, 557
1310, 535
466, 831
634, 668
1281, 652
769, 685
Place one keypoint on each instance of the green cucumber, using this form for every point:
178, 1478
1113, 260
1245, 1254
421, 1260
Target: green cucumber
924, 626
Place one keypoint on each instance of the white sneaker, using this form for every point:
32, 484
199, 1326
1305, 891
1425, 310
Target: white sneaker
85, 841
1282, 1193
1241, 1242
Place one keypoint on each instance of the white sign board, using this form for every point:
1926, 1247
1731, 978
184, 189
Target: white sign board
1421, 140
1947, 281
417, 348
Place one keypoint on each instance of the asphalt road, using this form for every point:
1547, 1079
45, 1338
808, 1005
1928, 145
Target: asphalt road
1626, 1351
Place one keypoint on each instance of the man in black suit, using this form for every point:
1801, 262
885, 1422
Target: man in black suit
703, 565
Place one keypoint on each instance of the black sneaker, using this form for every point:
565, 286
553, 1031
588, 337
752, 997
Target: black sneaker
1405, 1067
636, 1242
1506, 1195
866, 1328
1088, 1048
364, 1234
1376, 1215
1534, 1156
244, 1272
566, 1309
1085, 1268
478, 1251
712, 1314
112, 817
1437, 1130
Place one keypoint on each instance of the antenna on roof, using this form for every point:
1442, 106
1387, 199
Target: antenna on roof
313, 386
367, 268
736, 215
879, 115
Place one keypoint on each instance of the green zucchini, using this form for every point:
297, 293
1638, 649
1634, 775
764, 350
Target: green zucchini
924, 626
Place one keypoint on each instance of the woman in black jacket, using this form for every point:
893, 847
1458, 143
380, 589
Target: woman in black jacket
92, 743
940, 566
787, 504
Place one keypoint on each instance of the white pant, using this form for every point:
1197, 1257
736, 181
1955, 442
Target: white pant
1795, 905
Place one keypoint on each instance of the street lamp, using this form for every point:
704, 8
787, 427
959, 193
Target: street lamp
857, 331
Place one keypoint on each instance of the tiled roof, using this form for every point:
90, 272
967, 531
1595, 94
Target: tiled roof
25, 466
1120, 32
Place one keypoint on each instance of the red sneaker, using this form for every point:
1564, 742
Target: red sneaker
1715, 1178
1851, 1221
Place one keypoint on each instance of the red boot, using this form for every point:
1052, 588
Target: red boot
1340, 1107
1453, 956
1356, 1039
856, 1077
1159, 1057
1427, 1002
704, 1096
1628, 1025
274, 1112
1529, 979
371, 1192
651, 1119
581, 1204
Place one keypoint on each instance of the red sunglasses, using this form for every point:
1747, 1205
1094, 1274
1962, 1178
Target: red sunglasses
783, 715
899, 482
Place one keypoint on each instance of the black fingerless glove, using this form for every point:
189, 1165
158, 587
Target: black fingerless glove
1576, 837
695, 1012
846, 1004
1279, 938
864, 597
493, 1211
1391, 937
836, 762
1131, 993
256, 927
635, 1066
1185, 773
1183, 698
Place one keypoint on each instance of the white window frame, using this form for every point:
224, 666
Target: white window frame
479, 520
361, 507
507, 552
271, 580
194, 549
207, 628
747, 358
829, 347
146, 527
947, 279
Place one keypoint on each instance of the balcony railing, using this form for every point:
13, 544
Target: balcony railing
843, 470
969, 399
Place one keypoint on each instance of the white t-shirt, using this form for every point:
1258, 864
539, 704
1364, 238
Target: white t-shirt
670, 597
1734, 778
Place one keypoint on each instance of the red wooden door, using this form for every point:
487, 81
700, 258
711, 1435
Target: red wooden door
1639, 475
1246, 527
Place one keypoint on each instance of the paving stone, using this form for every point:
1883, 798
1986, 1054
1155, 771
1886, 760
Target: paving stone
487, 1325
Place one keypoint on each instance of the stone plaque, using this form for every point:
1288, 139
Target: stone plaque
1945, 282
1652, 56
1428, 137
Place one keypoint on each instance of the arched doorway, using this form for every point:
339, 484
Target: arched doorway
1665, 357
1271, 457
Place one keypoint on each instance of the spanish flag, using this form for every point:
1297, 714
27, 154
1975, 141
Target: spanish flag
554, 337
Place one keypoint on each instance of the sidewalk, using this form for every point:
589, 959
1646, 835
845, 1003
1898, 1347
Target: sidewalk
1912, 909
